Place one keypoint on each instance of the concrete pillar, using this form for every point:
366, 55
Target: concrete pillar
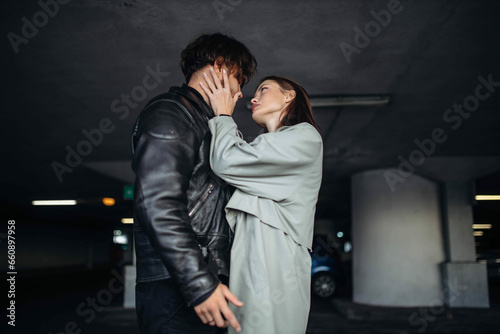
397, 241
130, 275
129, 294
461, 269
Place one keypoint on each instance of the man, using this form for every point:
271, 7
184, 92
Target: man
182, 239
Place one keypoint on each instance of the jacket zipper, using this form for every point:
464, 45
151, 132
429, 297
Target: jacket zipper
202, 200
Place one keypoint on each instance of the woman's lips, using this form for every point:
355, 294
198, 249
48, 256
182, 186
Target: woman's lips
254, 106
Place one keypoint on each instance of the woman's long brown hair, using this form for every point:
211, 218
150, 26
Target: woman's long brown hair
299, 110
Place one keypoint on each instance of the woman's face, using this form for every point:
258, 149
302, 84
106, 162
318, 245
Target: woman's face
268, 103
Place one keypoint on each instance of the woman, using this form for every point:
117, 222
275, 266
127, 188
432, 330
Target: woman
277, 179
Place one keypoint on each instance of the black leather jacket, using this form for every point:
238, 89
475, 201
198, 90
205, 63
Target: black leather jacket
180, 227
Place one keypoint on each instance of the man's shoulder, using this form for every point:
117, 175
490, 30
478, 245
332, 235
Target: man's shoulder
165, 116
177, 98
174, 93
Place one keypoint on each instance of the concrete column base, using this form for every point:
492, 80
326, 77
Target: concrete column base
465, 284
129, 293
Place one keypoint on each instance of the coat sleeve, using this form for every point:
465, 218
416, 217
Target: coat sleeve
272, 166
164, 157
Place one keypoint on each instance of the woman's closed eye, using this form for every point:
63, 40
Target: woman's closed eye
259, 91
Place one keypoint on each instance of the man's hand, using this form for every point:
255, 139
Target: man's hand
212, 310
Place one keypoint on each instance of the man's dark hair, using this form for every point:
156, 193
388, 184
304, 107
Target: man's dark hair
217, 48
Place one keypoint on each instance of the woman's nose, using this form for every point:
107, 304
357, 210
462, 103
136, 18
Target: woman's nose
254, 100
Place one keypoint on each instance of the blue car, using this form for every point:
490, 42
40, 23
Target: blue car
326, 271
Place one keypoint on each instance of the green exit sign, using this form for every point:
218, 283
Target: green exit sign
128, 192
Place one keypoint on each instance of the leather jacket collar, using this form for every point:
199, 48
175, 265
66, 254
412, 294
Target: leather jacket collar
195, 97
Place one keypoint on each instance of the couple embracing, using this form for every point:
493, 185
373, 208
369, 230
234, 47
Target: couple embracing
223, 228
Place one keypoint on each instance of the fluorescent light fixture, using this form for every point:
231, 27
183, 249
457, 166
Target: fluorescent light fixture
481, 226
487, 197
345, 101
478, 233
55, 202
127, 220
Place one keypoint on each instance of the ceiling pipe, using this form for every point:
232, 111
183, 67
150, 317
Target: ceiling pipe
345, 101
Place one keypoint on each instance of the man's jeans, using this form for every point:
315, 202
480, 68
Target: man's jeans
161, 309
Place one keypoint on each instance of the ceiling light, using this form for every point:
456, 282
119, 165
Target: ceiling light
127, 220
345, 101
481, 226
487, 197
478, 233
108, 201
120, 239
55, 202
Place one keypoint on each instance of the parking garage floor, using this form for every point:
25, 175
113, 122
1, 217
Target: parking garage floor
68, 305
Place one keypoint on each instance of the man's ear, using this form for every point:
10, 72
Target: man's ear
218, 64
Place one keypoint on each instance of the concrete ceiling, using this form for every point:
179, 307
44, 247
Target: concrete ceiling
72, 72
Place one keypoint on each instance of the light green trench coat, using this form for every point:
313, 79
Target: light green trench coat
277, 177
